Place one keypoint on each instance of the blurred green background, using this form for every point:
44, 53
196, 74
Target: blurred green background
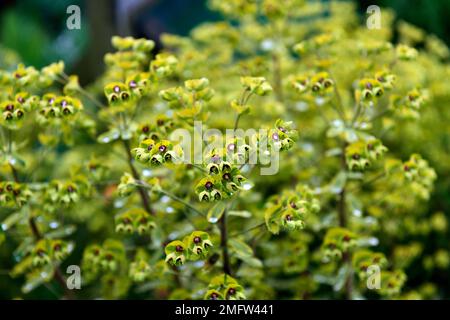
37, 32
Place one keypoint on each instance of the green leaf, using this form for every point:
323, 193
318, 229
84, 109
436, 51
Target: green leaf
241, 249
338, 183
35, 281
241, 213
244, 252
109, 136
2, 238
254, 262
215, 213
11, 220
61, 232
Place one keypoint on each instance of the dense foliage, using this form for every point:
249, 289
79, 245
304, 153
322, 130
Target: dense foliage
97, 177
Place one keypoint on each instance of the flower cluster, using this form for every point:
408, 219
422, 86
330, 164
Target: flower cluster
14, 112
55, 109
139, 269
369, 90
314, 43
319, 84
134, 220
256, 85
47, 251
190, 99
193, 247
222, 181
107, 258
418, 172
282, 136
65, 192
337, 241
132, 53
405, 52
164, 65
13, 194
289, 210
363, 259
408, 106
156, 153
224, 287
392, 282
360, 154
161, 127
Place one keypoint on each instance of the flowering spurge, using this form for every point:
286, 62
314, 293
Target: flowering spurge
161, 127
392, 282
300, 83
47, 251
369, 90
420, 174
363, 259
97, 169
361, 154
127, 185
297, 259
236, 151
319, 84
139, 269
224, 287
223, 181
198, 244
65, 192
289, 210
14, 194
408, 106
337, 241
132, 53
124, 94
193, 247
164, 65
256, 85
282, 137
54, 108
14, 112
119, 94
386, 79
106, 258
404, 52
190, 99
314, 43
24, 76
156, 153
134, 220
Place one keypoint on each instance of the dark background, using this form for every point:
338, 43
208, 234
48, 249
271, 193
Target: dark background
37, 31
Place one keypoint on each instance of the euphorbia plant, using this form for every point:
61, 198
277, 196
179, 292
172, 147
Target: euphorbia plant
157, 219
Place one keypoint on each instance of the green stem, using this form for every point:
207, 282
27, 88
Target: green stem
343, 223
224, 243
58, 276
187, 204
145, 199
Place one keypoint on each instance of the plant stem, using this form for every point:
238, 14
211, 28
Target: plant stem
145, 199
58, 276
343, 223
224, 243
187, 204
